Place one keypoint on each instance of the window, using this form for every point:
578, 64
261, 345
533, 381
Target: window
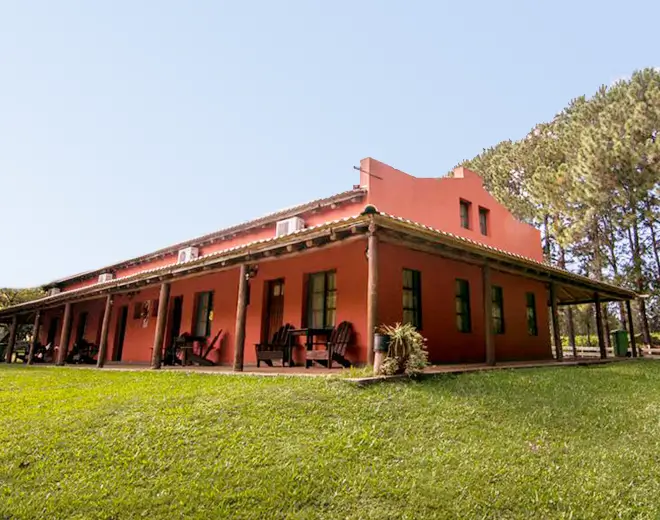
465, 213
322, 300
498, 310
82, 327
412, 298
463, 318
203, 314
142, 310
532, 324
483, 220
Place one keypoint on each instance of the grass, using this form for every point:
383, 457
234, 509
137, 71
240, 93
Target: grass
544, 443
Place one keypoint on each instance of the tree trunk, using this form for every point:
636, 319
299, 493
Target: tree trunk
637, 259
601, 313
654, 240
646, 332
571, 330
570, 326
546, 242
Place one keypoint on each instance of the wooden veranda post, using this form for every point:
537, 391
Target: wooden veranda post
241, 314
556, 334
161, 320
13, 329
631, 329
488, 314
599, 327
35, 337
103, 344
65, 335
372, 295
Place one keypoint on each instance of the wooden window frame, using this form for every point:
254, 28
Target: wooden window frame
532, 317
497, 295
484, 220
329, 294
415, 290
466, 219
463, 308
209, 314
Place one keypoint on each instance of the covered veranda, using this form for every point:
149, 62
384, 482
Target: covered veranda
370, 227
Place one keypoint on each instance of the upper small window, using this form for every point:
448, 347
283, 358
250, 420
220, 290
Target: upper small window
465, 214
483, 220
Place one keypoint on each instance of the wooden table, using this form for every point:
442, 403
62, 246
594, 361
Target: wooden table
309, 334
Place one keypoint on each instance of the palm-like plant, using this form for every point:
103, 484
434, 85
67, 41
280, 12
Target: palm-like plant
407, 350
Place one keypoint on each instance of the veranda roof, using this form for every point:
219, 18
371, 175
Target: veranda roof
571, 288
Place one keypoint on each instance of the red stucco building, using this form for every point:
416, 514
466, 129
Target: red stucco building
394, 248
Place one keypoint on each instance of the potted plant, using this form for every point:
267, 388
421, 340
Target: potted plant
406, 350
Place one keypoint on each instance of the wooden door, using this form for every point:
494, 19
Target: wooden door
52, 331
177, 313
120, 333
273, 317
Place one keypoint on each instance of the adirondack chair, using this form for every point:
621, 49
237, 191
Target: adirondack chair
21, 350
201, 357
335, 348
279, 347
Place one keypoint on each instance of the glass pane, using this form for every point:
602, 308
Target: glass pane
317, 319
407, 279
317, 281
317, 302
408, 316
459, 322
407, 299
331, 300
330, 317
332, 281
530, 300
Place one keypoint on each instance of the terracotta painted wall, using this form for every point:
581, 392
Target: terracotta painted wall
446, 344
347, 259
435, 202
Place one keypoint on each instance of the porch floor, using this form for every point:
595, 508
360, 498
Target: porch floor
300, 371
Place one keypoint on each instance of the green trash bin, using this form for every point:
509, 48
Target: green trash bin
620, 343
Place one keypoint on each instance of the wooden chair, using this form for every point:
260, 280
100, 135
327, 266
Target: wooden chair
21, 350
278, 348
335, 348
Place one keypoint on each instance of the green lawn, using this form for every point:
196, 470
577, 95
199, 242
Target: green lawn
548, 443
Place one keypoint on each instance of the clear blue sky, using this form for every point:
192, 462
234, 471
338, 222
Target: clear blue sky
126, 126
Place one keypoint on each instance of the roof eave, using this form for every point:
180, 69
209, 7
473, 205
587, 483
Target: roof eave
271, 218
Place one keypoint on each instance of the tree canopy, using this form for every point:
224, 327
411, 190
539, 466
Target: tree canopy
590, 180
9, 297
